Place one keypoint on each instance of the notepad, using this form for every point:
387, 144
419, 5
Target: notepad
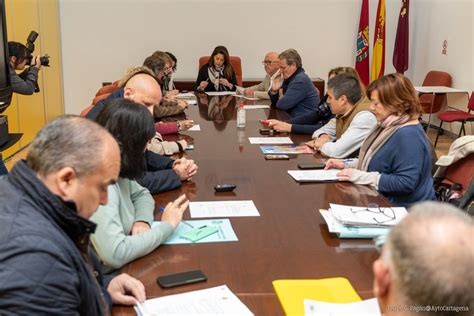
292, 293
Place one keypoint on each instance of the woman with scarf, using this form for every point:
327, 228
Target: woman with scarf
395, 159
217, 74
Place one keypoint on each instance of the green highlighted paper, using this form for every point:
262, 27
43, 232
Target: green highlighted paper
223, 231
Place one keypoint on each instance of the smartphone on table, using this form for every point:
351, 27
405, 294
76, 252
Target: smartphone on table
181, 278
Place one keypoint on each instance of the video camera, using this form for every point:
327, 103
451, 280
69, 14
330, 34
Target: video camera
30, 47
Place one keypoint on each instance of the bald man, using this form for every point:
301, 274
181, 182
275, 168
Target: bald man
141, 88
270, 63
427, 263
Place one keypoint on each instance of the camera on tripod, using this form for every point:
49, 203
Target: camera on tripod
30, 47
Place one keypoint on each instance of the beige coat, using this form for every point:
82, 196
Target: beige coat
261, 89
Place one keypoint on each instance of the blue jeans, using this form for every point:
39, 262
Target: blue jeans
3, 169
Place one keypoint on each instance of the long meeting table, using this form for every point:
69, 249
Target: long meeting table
289, 239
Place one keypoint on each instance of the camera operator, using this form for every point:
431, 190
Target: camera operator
27, 81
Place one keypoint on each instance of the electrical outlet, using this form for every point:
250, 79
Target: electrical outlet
444, 51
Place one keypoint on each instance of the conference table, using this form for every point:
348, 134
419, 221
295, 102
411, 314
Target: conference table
289, 240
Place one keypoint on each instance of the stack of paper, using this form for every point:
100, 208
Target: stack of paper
361, 222
218, 300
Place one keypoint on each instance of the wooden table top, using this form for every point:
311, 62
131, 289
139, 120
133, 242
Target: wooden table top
289, 239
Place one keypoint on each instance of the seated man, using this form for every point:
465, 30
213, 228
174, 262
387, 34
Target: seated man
163, 174
314, 120
270, 63
292, 90
343, 135
427, 262
46, 266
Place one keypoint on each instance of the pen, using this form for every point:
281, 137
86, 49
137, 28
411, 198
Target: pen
185, 223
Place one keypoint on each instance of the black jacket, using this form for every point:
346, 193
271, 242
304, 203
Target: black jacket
45, 267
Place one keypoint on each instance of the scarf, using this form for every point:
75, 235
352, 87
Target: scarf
214, 75
378, 137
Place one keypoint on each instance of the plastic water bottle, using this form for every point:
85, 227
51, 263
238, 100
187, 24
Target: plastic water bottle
241, 115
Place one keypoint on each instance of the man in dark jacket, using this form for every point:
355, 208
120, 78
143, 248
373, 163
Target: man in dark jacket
292, 90
45, 202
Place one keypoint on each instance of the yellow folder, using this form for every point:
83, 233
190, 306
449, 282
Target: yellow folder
291, 293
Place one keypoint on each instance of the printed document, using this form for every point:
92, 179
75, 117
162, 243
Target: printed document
366, 307
270, 140
223, 209
217, 300
314, 175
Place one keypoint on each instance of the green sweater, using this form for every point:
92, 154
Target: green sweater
128, 202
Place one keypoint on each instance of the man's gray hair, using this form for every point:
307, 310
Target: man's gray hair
67, 141
346, 84
292, 57
430, 254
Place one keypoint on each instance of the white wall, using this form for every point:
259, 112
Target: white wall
102, 38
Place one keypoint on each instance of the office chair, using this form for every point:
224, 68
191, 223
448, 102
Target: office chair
457, 116
234, 61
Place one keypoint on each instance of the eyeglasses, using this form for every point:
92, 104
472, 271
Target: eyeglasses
267, 62
388, 212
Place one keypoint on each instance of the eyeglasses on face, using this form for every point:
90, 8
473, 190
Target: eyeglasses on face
267, 62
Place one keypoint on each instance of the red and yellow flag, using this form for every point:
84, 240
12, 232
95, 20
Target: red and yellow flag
378, 53
362, 48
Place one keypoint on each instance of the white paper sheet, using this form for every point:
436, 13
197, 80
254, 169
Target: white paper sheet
185, 95
214, 93
217, 300
192, 102
270, 140
196, 127
314, 175
256, 106
366, 307
246, 98
223, 209
367, 216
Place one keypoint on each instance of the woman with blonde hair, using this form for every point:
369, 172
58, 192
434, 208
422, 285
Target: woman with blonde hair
395, 158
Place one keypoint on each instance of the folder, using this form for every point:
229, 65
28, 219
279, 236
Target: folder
292, 293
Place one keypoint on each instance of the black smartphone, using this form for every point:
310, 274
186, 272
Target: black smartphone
224, 187
181, 278
267, 131
312, 165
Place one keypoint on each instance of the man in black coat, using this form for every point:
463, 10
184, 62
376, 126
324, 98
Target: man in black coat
46, 266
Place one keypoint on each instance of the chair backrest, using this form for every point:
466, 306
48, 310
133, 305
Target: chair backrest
234, 61
470, 104
461, 171
101, 94
435, 78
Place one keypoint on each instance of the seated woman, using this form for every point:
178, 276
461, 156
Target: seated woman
395, 159
124, 230
217, 74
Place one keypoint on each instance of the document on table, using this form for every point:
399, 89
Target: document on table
223, 209
185, 95
270, 140
245, 97
196, 127
344, 231
217, 300
225, 231
314, 175
256, 106
217, 93
367, 216
192, 102
366, 307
